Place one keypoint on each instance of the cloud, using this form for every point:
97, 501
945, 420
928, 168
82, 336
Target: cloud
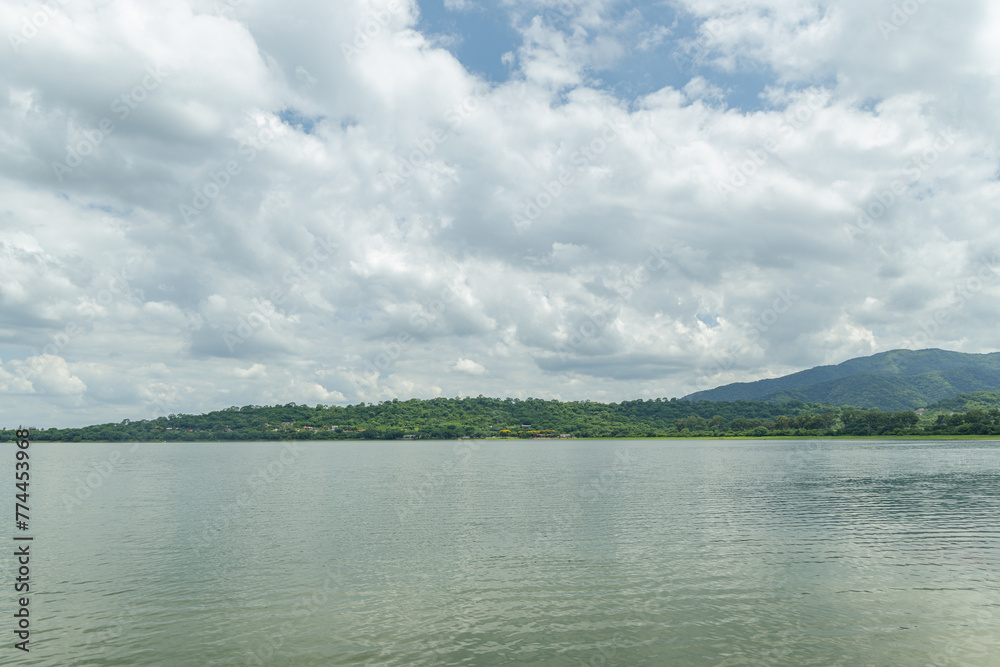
652, 38
11, 383
44, 374
356, 219
255, 371
469, 366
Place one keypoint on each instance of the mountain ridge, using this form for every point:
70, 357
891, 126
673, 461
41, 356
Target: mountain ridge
893, 380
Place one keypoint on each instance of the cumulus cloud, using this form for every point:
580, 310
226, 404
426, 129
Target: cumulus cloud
255, 371
11, 383
469, 366
44, 374
295, 202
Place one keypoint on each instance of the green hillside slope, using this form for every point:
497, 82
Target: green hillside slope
867, 390
895, 380
979, 400
482, 417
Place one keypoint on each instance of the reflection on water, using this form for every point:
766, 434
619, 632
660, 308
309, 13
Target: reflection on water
490, 553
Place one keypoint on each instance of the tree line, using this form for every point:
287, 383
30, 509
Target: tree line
483, 417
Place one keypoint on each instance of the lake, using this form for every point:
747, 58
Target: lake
614, 552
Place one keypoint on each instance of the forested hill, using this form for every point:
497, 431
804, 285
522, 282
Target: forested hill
895, 380
980, 400
446, 418
438, 418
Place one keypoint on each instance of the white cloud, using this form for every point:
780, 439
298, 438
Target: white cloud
469, 366
522, 228
652, 38
255, 371
44, 374
11, 383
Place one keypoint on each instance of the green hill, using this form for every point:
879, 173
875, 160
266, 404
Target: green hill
979, 400
895, 380
448, 418
482, 417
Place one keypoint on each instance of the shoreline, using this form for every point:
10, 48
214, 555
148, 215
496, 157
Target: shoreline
659, 437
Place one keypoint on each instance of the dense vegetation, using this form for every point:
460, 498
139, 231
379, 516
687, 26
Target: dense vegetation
891, 381
446, 418
982, 400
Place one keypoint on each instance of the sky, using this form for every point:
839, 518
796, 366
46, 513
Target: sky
249, 202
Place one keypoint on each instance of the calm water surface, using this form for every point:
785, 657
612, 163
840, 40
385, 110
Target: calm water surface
502, 553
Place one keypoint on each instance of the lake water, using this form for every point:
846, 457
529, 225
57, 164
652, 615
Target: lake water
626, 552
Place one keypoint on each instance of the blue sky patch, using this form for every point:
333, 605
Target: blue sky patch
661, 48
298, 120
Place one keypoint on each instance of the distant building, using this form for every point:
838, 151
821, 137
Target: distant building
920, 411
